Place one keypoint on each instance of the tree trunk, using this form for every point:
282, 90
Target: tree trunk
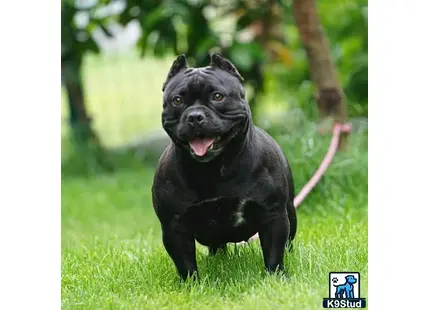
79, 120
86, 140
329, 96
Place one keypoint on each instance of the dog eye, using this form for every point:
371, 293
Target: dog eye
217, 97
177, 100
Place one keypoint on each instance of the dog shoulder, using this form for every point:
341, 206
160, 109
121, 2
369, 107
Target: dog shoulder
169, 195
270, 149
161, 179
273, 158
161, 186
164, 162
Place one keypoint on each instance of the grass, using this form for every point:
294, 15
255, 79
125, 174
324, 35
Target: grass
113, 257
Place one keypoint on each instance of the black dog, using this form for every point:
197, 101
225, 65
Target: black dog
221, 179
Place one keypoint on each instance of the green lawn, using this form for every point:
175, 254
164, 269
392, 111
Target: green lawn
112, 254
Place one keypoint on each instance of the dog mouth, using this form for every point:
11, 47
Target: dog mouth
201, 146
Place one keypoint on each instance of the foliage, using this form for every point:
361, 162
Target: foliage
259, 36
76, 38
265, 61
194, 28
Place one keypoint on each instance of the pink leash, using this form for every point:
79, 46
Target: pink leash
328, 158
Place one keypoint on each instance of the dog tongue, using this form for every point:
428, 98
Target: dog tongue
201, 146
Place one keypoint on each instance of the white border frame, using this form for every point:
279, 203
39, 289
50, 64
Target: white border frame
30, 156
398, 154
30, 124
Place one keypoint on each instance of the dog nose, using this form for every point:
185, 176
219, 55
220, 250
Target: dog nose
196, 117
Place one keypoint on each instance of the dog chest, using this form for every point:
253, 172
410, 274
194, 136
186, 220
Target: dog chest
223, 219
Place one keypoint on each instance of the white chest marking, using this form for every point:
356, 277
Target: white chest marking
239, 219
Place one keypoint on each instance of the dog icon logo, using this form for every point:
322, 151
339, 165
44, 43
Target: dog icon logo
344, 291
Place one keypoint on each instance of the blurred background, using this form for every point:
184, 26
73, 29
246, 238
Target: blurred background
116, 55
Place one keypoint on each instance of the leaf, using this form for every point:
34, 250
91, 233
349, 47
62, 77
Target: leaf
150, 19
198, 28
160, 47
244, 21
284, 55
106, 31
206, 44
90, 45
142, 43
245, 55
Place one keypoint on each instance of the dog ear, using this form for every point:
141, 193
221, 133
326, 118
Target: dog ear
224, 64
179, 64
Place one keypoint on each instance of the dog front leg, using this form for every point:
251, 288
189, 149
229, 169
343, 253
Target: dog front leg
181, 247
273, 240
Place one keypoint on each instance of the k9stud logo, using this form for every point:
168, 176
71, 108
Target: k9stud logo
344, 291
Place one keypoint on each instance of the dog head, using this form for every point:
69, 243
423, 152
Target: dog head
204, 109
350, 279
